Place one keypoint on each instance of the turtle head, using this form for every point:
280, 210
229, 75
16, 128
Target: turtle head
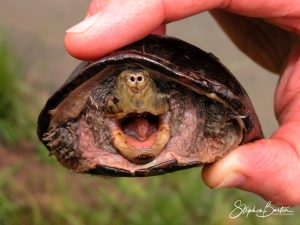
136, 92
138, 116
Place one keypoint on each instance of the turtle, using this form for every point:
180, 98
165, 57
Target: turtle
156, 106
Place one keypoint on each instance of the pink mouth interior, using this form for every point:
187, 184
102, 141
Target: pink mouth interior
140, 130
147, 143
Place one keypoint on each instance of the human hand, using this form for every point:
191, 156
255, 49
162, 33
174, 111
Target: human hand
268, 167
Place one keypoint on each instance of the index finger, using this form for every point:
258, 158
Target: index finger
112, 24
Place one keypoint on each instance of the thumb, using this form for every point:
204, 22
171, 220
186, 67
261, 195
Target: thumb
267, 167
110, 25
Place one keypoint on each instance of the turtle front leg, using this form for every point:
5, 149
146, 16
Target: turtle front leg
63, 140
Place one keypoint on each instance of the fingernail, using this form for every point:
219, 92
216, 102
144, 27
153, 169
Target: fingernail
232, 180
83, 25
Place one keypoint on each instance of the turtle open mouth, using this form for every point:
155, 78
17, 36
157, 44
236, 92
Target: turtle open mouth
140, 128
140, 137
138, 116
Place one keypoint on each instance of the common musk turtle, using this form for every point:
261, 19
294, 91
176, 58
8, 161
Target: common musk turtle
153, 107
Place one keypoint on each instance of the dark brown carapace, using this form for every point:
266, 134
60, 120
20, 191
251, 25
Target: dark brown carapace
156, 106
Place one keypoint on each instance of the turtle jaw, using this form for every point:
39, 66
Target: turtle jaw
138, 141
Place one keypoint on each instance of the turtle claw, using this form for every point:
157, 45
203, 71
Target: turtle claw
62, 141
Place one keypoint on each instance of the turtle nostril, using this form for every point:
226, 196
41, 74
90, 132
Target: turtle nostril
139, 78
132, 78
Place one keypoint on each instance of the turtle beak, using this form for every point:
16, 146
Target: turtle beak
140, 137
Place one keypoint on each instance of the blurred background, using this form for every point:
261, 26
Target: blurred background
35, 189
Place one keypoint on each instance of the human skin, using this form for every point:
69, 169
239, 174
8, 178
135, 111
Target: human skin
267, 31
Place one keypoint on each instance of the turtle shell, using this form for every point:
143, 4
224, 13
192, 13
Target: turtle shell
208, 109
